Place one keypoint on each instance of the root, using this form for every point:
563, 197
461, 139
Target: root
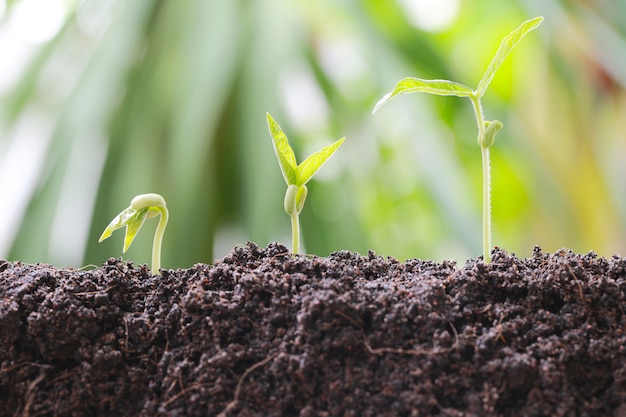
414, 352
248, 371
30, 394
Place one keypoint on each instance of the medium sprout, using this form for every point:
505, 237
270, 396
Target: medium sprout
296, 176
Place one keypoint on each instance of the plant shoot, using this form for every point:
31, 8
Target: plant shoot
486, 129
296, 176
142, 207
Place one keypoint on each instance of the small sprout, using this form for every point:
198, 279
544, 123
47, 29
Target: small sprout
142, 207
486, 129
296, 176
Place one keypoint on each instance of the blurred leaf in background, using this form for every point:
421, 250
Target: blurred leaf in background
101, 100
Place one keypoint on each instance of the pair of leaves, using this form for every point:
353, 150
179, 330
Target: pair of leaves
451, 88
142, 207
296, 176
293, 173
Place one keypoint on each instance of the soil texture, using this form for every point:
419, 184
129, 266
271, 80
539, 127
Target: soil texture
264, 333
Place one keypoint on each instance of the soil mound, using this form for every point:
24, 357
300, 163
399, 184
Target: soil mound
264, 333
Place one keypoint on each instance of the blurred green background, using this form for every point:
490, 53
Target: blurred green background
101, 100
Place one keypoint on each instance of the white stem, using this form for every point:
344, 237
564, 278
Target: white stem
295, 234
158, 239
486, 205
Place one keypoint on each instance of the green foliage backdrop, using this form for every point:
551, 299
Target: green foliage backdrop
131, 97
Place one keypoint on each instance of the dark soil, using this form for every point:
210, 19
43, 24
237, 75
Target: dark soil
262, 333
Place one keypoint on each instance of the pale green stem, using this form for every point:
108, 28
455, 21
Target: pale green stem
295, 234
486, 205
480, 120
158, 239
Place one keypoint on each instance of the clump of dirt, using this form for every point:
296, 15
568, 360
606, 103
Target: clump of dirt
264, 333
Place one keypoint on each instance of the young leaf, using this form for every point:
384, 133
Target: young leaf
506, 46
133, 226
313, 163
418, 85
284, 153
131, 219
118, 222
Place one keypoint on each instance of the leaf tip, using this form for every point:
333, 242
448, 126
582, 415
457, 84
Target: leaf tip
533, 23
105, 234
380, 102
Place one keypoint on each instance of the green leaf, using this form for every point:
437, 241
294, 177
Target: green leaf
131, 219
417, 85
313, 163
118, 222
506, 46
133, 225
284, 153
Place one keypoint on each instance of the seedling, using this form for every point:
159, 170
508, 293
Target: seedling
296, 176
486, 129
142, 207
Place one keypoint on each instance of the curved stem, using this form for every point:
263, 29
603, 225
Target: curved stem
295, 234
158, 239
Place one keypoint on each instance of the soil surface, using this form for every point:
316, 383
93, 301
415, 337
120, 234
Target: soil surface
263, 333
